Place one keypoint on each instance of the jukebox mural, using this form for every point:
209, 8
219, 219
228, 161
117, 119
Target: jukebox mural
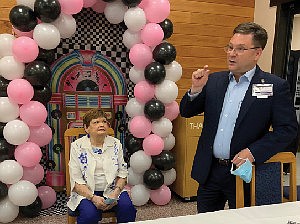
84, 79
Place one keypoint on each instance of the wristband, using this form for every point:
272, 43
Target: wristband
91, 197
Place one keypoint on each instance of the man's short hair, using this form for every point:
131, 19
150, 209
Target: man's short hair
92, 114
260, 35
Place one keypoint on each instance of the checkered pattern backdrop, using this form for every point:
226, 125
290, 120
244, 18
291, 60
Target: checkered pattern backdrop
93, 32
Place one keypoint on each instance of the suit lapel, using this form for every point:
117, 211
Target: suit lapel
221, 87
248, 99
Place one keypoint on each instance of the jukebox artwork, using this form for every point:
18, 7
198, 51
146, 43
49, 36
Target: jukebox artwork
84, 79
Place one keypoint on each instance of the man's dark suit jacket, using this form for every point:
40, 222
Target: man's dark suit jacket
255, 117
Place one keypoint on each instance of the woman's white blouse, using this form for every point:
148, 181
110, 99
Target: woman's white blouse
82, 166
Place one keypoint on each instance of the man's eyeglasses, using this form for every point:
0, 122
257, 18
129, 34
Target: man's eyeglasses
238, 50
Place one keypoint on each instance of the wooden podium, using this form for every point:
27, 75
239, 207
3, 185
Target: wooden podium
186, 132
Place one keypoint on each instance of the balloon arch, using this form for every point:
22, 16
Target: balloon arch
39, 26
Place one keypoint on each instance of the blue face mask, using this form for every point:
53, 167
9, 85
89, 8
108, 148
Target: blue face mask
244, 171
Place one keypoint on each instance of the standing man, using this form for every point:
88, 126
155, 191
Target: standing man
239, 107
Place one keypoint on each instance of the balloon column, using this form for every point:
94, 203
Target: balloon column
24, 76
153, 107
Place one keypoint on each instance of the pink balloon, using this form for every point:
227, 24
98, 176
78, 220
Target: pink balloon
140, 55
88, 3
28, 154
40, 135
157, 10
143, 3
34, 174
20, 91
25, 49
171, 110
19, 33
33, 113
152, 34
153, 145
161, 196
47, 196
140, 126
143, 91
71, 9
99, 6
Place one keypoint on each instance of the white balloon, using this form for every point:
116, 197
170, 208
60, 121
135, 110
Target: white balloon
134, 108
29, 3
139, 195
16, 132
22, 193
10, 68
140, 162
134, 178
46, 35
135, 19
8, 110
114, 11
169, 142
130, 38
173, 71
163, 127
169, 176
136, 75
167, 91
66, 25
9, 211
10, 171
6, 44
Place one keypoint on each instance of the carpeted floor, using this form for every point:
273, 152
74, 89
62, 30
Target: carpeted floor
149, 211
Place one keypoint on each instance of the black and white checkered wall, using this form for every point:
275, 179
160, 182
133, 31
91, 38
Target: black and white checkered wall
94, 32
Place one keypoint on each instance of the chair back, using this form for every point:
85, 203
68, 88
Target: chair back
266, 185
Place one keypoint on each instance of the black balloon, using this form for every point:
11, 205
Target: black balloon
37, 73
131, 3
2, 125
164, 53
32, 210
167, 27
3, 190
164, 161
154, 110
42, 94
133, 144
3, 86
23, 18
153, 179
6, 150
47, 56
47, 10
155, 73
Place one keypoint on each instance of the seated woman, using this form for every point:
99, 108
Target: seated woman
97, 172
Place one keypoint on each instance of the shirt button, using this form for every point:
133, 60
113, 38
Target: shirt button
230, 101
226, 115
221, 129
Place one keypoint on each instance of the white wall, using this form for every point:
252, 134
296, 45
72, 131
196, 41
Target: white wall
266, 17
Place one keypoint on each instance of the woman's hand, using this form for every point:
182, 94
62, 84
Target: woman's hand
98, 201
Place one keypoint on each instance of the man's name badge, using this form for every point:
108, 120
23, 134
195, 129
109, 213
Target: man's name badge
262, 90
